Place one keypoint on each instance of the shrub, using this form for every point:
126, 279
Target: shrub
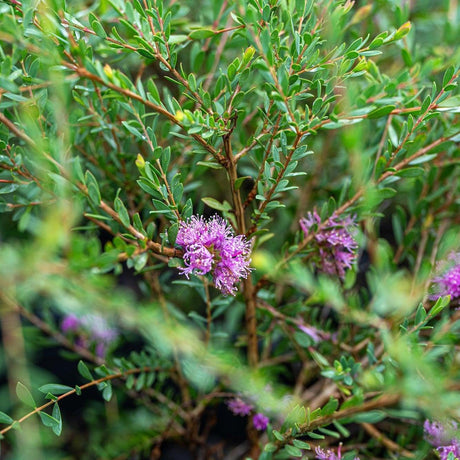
238, 221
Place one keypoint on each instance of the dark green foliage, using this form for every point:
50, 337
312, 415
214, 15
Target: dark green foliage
121, 119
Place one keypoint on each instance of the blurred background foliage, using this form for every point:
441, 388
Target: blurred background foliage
120, 119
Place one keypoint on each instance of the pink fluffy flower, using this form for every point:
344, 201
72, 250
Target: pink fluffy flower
337, 249
70, 323
260, 421
211, 247
238, 407
90, 330
448, 283
329, 454
442, 436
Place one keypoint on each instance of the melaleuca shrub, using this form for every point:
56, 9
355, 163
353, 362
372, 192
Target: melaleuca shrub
237, 221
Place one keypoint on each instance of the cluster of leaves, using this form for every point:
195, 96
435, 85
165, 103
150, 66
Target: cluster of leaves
119, 120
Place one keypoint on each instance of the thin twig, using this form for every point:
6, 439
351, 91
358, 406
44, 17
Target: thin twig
388, 443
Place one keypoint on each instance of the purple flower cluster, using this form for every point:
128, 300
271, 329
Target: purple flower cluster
260, 421
211, 247
449, 282
329, 454
239, 407
442, 437
336, 245
90, 330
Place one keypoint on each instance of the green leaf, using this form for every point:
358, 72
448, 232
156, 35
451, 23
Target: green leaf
8, 188
343, 431
201, 33
240, 180
48, 420
328, 432
330, 407
139, 8
57, 429
93, 188
77, 170
55, 388
376, 43
153, 90
172, 233
301, 444
97, 26
420, 315
372, 416
122, 212
140, 261
148, 186
293, 451
381, 111
448, 74
130, 381
209, 164
423, 158
24, 395
407, 58
162, 208
297, 416
386, 192
134, 131
402, 31
107, 392
84, 371
270, 447
8, 84
214, 204
425, 104
140, 382
165, 158
314, 435
410, 172
440, 304
177, 38
370, 53
197, 317
4, 418
54, 422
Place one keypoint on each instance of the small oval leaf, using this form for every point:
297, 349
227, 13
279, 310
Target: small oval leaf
55, 389
24, 395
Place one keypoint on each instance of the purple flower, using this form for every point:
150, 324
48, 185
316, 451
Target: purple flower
442, 437
336, 245
444, 451
101, 349
211, 247
99, 329
329, 454
440, 434
260, 422
435, 433
90, 330
239, 407
449, 282
70, 323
